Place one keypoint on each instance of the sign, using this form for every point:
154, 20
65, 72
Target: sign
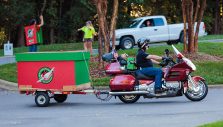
30, 33
8, 49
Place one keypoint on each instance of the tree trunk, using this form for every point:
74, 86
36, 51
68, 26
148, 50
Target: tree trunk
196, 11
20, 38
52, 41
102, 22
100, 52
113, 22
202, 9
185, 25
217, 16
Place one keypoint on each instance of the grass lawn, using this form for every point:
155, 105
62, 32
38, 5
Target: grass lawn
215, 124
215, 49
211, 71
52, 47
211, 37
211, 48
8, 72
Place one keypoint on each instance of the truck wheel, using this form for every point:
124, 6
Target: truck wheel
60, 98
181, 40
129, 98
172, 42
127, 43
42, 99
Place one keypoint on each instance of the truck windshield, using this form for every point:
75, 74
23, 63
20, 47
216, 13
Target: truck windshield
135, 23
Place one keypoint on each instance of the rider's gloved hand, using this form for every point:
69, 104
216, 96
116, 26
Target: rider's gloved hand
162, 64
164, 58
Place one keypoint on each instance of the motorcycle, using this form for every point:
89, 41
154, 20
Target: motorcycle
129, 84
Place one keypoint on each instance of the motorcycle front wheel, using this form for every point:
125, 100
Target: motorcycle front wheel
198, 93
129, 98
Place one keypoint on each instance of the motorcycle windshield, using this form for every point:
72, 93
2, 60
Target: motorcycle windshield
186, 60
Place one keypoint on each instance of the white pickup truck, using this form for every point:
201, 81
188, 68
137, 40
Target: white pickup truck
157, 31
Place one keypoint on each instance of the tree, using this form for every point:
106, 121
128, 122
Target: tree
14, 14
192, 18
113, 22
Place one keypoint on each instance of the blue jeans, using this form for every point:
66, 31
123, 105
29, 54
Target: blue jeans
157, 72
33, 48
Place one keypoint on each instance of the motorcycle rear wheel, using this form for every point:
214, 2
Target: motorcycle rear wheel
129, 98
197, 95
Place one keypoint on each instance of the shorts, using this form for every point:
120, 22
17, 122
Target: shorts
88, 40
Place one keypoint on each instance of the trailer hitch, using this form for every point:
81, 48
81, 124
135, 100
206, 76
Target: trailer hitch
103, 95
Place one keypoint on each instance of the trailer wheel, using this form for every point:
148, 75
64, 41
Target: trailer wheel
129, 98
60, 98
42, 99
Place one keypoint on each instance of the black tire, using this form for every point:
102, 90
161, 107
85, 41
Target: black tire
127, 43
181, 38
194, 96
172, 42
117, 47
60, 98
129, 98
42, 99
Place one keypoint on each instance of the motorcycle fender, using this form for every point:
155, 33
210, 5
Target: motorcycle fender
198, 78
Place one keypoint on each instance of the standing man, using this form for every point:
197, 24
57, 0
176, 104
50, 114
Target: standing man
33, 48
89, 33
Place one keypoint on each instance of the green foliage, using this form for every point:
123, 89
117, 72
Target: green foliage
215, 124
15, 12
64, 17
2, 37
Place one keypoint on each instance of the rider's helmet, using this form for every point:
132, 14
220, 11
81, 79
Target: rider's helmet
143, 43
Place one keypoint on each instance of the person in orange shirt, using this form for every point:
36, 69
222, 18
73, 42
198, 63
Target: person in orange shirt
33, 48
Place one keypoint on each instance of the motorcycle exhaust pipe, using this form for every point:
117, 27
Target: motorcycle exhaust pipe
129, 93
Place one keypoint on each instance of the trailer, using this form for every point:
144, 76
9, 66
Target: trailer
53, 75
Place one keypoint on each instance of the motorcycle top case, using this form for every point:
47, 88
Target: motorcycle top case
122, 83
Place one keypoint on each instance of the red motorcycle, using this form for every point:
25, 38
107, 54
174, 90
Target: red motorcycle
129, 84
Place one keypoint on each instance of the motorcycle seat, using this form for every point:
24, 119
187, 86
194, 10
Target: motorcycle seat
141, 76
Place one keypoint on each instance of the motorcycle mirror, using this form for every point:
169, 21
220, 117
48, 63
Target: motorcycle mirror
167, 52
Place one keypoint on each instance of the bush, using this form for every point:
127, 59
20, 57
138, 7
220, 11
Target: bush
2, 38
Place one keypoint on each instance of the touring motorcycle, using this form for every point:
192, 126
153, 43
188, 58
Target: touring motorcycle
129, 84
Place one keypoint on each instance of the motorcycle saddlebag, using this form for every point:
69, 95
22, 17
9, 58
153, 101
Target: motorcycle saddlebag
122, 83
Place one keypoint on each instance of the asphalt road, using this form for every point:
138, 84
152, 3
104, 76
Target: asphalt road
86, 111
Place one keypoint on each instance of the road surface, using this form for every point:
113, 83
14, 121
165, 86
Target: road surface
86, 111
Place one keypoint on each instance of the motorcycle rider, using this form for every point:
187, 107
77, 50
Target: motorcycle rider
145, 62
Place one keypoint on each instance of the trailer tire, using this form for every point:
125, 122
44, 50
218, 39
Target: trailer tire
42, 99
60, 98
129, 98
